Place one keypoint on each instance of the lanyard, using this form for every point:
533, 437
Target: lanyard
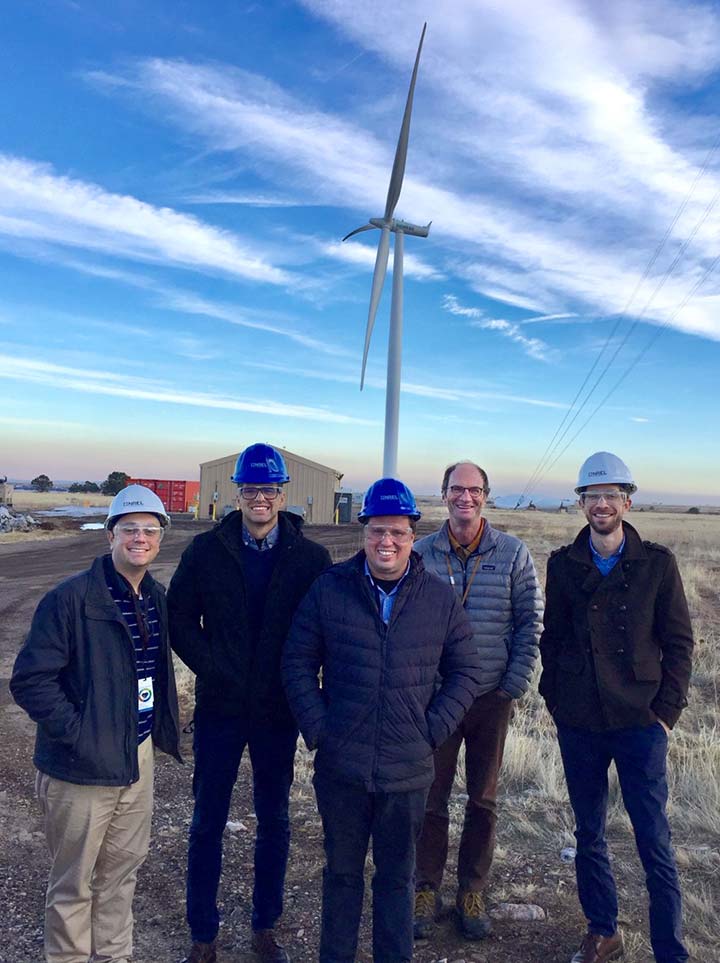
470, 581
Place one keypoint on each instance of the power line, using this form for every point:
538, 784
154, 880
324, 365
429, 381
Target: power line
548, 459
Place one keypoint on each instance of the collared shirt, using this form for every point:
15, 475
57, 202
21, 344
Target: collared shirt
260, 544
386, 600
606, 565
141, 618
464, 552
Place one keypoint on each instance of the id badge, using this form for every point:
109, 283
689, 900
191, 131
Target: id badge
146, 694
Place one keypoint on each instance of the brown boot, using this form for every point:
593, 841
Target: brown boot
266, 947
598, 949
473, 919
201, 953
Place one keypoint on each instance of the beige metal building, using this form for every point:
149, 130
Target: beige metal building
311, 489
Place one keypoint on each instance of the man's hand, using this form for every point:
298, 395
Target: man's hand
665, 726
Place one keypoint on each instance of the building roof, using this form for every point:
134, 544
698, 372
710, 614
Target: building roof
286, 454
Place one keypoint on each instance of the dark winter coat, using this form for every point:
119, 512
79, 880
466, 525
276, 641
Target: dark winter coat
76, 677
616, 650
390, 693
236, 674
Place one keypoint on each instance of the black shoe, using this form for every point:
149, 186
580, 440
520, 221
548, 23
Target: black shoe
201, 953
266, 947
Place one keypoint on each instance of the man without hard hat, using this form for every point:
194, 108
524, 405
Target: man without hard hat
231, 602
95, 674
399, 670
494, 578
616, 655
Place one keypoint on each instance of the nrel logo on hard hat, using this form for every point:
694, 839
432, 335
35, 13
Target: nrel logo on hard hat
127, 502
389, 498
594, 474
258, 464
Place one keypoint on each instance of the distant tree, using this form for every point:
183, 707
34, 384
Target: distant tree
42, 483
693, 511
86, 486
114, 483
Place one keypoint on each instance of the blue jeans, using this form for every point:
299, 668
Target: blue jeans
350, 817
218, 744
639, 754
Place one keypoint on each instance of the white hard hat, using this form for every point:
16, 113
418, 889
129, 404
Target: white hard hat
136, 498
604, 468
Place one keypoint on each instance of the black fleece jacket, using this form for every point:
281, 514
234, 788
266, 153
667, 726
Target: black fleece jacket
238, 672
76, 677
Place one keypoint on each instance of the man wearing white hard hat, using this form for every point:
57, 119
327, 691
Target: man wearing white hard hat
95, 673
616, 654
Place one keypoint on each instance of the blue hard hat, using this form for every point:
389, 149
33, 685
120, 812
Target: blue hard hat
260, 465
388, 496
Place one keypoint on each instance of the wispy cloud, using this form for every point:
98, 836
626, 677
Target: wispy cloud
459, 394
364, 254
38, 204
538, 171
39, 422
98, 382
533, 347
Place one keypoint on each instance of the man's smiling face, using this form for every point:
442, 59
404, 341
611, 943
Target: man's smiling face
604, 506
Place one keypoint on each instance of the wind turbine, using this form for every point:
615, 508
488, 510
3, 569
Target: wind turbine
387, 225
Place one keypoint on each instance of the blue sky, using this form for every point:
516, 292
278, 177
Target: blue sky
175, 179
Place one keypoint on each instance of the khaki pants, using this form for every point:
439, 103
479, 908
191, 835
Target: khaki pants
98, 836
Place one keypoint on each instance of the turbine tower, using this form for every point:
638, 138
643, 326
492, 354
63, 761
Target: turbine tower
387, 225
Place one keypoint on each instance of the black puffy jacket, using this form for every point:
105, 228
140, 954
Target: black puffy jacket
237, 675
390, 694
76, 677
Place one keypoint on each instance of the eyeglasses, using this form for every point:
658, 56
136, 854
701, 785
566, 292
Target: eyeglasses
612, 498
376, 533
151, 532
250, 492
473, 491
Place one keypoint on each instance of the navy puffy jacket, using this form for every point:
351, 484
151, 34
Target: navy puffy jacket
390, 694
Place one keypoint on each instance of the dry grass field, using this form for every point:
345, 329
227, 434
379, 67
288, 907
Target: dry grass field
32, 501
536, 815
535, 820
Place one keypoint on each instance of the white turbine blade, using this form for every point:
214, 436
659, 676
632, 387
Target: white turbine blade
381, 261
359, 230
398, 171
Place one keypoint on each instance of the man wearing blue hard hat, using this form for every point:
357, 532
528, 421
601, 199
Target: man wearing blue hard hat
399, 670
231, 602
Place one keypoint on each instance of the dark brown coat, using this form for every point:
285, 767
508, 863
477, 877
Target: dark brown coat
616, 649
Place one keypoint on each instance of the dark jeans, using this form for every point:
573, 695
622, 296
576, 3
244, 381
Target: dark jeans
350, 817
484, 730
639, 755
218, 744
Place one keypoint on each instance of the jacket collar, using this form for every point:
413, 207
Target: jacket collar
230, 531
488, 540
99, 602
634, 549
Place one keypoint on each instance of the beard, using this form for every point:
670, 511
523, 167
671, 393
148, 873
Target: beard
607, 526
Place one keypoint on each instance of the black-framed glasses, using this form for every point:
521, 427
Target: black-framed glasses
474, 491
251, 492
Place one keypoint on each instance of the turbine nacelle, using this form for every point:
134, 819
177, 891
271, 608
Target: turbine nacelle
395, 225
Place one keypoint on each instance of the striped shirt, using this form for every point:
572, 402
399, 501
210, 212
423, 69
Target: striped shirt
141, 618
